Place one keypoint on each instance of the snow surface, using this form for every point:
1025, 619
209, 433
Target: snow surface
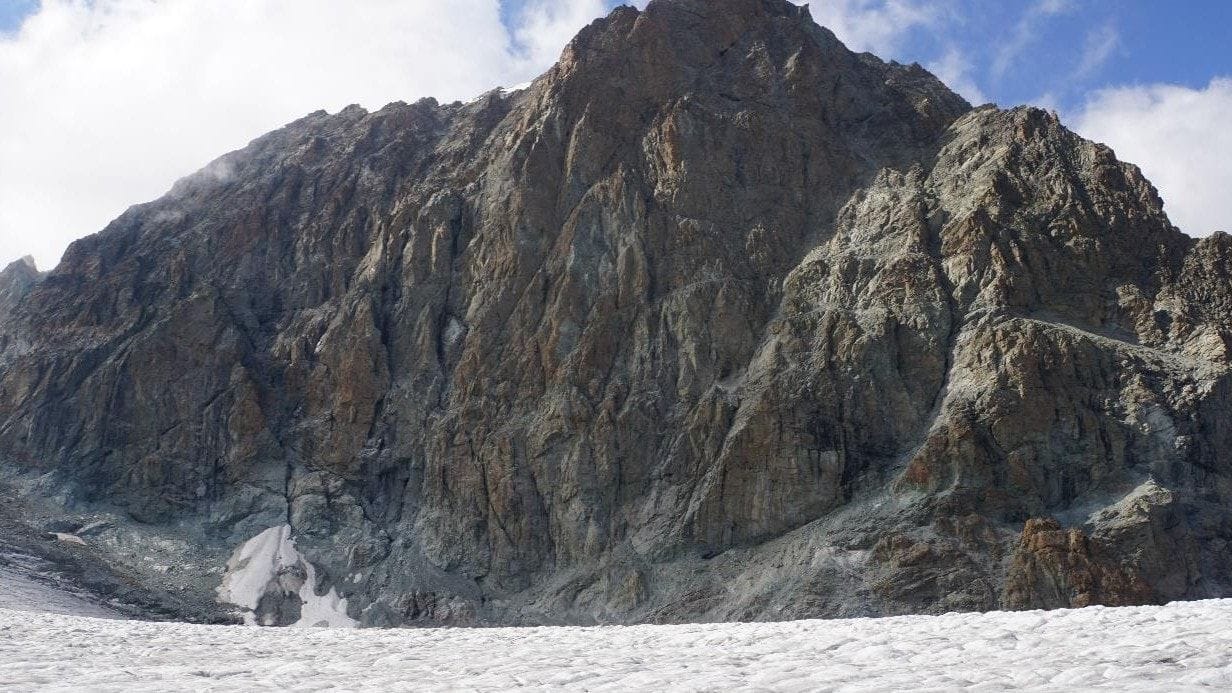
259, 566
1183, 646
22, 589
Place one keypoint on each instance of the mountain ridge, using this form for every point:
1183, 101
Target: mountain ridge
715, 320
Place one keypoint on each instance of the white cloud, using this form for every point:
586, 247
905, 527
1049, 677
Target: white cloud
1181, 140
883, 26
547, 25
1047, 101
876, 26
1025, 33
107, 102
954, 68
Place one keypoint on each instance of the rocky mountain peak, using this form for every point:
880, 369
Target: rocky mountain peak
717, 319
748, 50
16, 280
24, 267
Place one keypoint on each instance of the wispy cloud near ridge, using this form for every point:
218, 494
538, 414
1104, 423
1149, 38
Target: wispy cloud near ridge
107, 102
1101, 44
1025, 33
956, 70
876, 26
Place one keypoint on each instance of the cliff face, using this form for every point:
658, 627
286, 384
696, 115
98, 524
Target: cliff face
716, 319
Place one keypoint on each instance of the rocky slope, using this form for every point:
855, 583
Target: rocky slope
715, 320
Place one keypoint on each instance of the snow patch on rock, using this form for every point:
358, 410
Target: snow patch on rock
453, 331
269, 564
69, 538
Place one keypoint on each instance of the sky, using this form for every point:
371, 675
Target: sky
105, 103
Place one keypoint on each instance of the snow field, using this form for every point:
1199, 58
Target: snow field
1182, 646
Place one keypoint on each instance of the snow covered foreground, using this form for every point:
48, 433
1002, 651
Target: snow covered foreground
1183, 646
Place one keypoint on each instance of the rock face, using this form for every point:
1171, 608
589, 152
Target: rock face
715, 320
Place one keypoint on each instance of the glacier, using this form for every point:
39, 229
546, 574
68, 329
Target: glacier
1178, 647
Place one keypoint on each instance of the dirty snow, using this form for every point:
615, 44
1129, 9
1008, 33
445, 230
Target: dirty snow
260, 564
1183, 646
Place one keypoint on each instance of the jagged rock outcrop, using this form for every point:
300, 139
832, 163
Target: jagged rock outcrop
1057, 568
716, 319
16, 280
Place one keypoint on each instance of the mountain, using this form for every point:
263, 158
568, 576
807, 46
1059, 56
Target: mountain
715, 320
